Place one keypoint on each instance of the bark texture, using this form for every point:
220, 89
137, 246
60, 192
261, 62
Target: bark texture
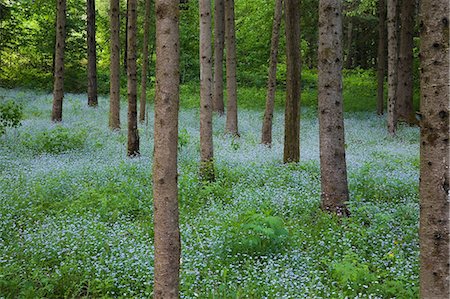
381, 55
333, 167
58, 85
231, 126
219, 40
206, 136
133, 134
92, 55
165, 190
114, 84
145, 57
292, 111
392, 19
434, 150
266, 137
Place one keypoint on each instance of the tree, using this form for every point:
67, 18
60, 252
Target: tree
206, 137
92, 55
145, 55
231, 126
114, 97
434, 150
58, 87
392, 19
133, 134
381, 56
333, 167
272, 80
292, 114
165, 190
219, 39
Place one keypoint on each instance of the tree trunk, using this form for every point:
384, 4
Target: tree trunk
349, 59
392, 19
206, 136
58, 87
133, 134
434, 150
231, 126
292, 111
405, 107
145, 56
114, 85
381, 57
125, 51
333, 167
92, 55
266, 137
219, 28
165, 190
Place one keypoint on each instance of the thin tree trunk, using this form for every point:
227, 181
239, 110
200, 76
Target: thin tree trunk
206, 136
381, 57
392, 18
219, 40
58, 87
125, 52
405, 107
165, 190
114, 87
133, 134
349, 58
231, 126
434, 225
266, 137
92, 55
292, 111
145, 55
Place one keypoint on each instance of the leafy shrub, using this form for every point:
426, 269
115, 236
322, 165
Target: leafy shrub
57, 140
10, 116
183, 138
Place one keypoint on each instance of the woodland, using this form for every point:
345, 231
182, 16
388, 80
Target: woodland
224, 149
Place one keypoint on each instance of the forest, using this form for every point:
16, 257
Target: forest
224, 149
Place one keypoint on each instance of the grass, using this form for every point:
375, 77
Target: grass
77, 222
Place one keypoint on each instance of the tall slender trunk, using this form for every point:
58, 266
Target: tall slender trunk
143, 99
219, 40
266, 137
92, 55
230, 43
133, 134
292, 111
125, 51
381, 57
58, 86
392, 18
165, 190
349, 58
114, 85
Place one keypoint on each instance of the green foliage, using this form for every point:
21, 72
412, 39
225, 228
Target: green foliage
10, 115
183, 138
56, 140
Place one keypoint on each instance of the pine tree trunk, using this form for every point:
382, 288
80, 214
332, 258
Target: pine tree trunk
125, 51
405, 107
349, 58
92, 55
231, 126
114, 85
266, 137
333, 167
58, 87
292, 111
143, 99
219, 40
392, 19
381, 57
133, 134
434, 225
165, 190
206, 136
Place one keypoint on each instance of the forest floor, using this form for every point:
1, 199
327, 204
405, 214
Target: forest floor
76, 213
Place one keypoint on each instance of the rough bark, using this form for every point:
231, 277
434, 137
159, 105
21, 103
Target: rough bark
434, 150
58, 85
381, 56
114, 85
145, 57
292, 111
392, 20
405, 107
231, 126
219, 40
165, 191
266, 137
133, 134
125, 46
206, 136
92, 55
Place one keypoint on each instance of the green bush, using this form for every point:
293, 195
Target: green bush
57, 140
10, 115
